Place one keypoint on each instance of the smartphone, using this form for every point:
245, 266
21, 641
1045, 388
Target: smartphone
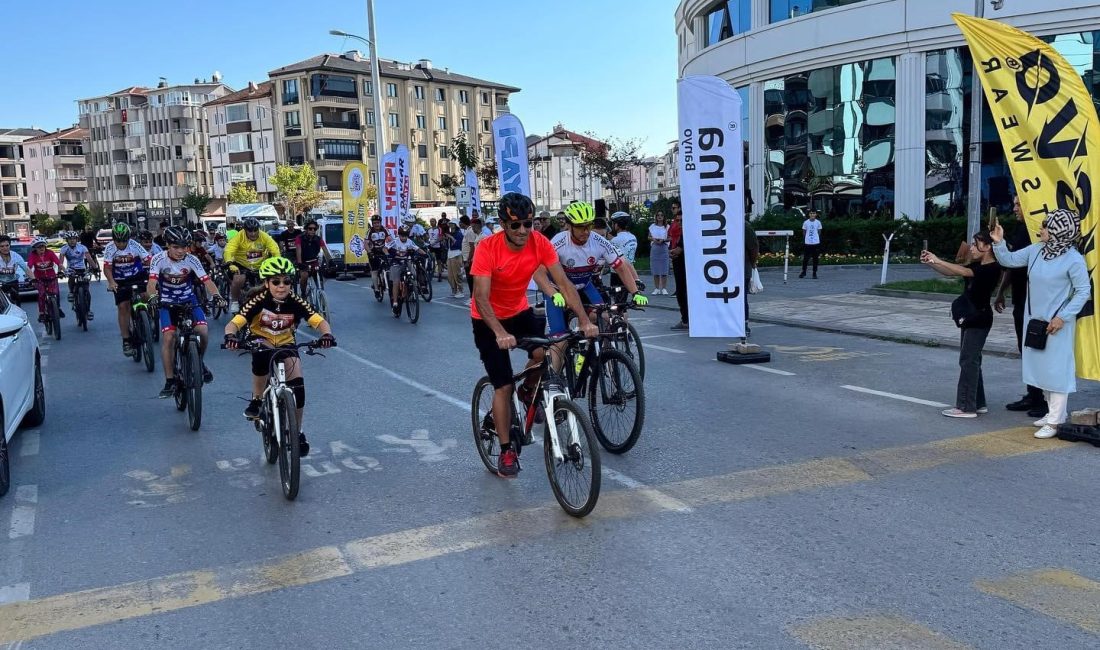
925, 247
992, 218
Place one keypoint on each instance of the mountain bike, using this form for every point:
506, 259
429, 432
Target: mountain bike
187, 364
315, 293
412, 291
278, 421
82, 297
221, 280
52, 313
141, 327
424, 270
613, 320
613, 388
569, 449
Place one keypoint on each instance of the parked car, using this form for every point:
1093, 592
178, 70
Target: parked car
22, 393
103, 237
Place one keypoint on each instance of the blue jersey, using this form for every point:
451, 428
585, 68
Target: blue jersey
175, 279
126, 262
74, 256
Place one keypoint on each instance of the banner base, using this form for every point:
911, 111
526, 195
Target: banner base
740, 358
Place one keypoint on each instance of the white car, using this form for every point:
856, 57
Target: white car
22, 395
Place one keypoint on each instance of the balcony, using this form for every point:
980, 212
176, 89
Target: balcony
322, 100
72, 182
293, 131
69, 159
335, 128
296, 160
328, 163
117, 142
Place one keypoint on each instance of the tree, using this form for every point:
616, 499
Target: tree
242, 193
297, 185
45, 224
447, 184
487, 174
82, 216
464, 153
99, 215
196, 201
610, 161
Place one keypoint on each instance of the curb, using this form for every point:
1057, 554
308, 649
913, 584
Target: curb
916, 295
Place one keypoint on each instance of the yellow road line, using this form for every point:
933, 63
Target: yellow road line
1057, 593
82, 609
873, 632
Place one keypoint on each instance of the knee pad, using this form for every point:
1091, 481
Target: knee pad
298, 385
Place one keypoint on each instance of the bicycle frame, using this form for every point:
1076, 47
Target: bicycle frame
550, 395
276, 380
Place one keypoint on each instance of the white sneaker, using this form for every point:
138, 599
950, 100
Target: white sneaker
1041, 422
983, 410
956, 413
460, 295
1048, 431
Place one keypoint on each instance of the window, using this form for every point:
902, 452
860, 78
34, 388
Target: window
485, 125
51, 174
372, 151
332, 85
236, 113
290, 91
728, 19
340, 149
465, 125
423, 180
34, 154
421, 122
488, 153
418, 92
464, 96
370, 118
238, 142
443, 151
564, 193
53, 197
440, 95
35, 175
786, 9
374, 178
368, 87
240, 172
292, 118
422, 150
441, 123
391, 90
484, 98
394, 121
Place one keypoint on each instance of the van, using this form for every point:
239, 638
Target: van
332, 231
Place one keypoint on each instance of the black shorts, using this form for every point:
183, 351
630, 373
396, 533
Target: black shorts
125, 290
498, 364
261, 361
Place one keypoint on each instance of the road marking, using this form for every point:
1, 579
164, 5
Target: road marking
22, 515
1057, 593
154, 491
429, 451
82, 609
465, 308
658, 336
760, 368
408, 381
872, 632
650, 346
659, 498
904, 398
30, 444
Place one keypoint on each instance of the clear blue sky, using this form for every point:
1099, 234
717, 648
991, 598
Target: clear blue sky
607, 66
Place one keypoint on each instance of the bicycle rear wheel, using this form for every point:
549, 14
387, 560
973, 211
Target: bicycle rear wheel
616, 401
193, 385
481, 418
54, 315
145, 327
425, 285
289, 461
135, 337
575, 479
80, 306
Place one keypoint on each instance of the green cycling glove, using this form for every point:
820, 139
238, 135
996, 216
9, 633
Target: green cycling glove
640, 300
559, 300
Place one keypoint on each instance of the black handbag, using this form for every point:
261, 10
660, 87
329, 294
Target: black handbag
963, 310
1035, 334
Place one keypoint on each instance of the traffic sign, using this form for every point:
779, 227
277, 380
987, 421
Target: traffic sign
462, 195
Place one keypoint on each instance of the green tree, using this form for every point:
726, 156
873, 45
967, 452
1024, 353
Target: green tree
46, 225
465, 154
98, 215
196, 201
242, 193
297, 185
447, 184
487, 174
610, 161
82, 216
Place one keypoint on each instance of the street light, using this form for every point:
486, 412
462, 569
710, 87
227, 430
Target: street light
974, 187
376, 82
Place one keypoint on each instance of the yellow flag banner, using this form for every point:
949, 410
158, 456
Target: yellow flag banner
355, 213
1051, 138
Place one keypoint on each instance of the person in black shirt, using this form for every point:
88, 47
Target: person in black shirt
159, 238
288, 239
1016, 279
981, 275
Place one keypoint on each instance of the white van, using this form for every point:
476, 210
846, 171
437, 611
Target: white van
332, 231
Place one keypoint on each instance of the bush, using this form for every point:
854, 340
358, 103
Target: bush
865, 237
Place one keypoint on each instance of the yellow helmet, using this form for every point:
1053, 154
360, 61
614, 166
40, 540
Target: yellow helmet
580, 213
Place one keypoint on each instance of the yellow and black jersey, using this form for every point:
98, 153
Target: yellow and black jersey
275, 321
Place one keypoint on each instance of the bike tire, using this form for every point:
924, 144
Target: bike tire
193, 385
412, 307
425, 286
53, 311
289, 460
586, 454
80, 306
135, 337
322, 306
616, 401
481, 420
179, 364
629, 342
145, 325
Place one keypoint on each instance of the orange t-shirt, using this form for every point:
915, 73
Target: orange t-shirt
510, 271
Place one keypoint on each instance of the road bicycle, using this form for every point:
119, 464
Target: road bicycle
612, 385
315, 293
187, 364
569, 448
278, 420
51, 315
141, 326
79, 282
221, 280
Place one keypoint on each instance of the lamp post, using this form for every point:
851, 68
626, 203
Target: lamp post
376, 82
974, 187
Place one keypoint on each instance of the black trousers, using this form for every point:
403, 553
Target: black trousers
810, 251
970, 395
679, 272
1034, 393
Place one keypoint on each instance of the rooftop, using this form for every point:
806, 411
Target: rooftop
392, 69
69, 133
251, 91
21, 133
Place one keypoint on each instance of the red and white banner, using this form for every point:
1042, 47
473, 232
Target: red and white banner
404, 188
391, 187
712, 169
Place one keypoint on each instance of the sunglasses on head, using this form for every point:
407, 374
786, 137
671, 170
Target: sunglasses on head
515, 225
281, 282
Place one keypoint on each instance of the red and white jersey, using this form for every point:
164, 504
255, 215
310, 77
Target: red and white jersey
582, 263
175, 279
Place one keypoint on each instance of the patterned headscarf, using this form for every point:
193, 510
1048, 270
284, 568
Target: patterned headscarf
1064, 227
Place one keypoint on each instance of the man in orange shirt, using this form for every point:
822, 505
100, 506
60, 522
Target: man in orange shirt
502, 268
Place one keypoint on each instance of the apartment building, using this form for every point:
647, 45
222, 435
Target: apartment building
147, 148
14, 207
557, 171
326, 117
54, 165
242, 142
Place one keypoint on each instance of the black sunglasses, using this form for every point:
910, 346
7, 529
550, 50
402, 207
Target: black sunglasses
515, 225
281, 282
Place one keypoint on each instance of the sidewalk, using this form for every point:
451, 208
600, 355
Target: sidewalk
836, 304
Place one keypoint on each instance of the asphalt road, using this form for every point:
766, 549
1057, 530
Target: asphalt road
781, 506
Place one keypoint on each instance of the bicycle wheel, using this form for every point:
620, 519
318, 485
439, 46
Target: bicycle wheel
481, 419
179, 361
55, 315
627, 341
289, 462
80, 306
193, 385
412, 306
145, 325
135, 337
616, 401
575, 480
322, 306
425, 285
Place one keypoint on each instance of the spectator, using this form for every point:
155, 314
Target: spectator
436, 246
752, 256
546, 226
811, 229
679, 270
159, 239
625, 242
1033, 401
470, 237
1058, 287
981, 274
230, 229
658, 254
453, 241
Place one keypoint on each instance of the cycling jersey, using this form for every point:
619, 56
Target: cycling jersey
416, 230
627, 245
217, 252
43, 264
433, 237
154, 249
275, 321
376, 239
309, 247
8, 267
509, 271
250, 252
582, 263
125, 263
74, 256
175, 279
401, 249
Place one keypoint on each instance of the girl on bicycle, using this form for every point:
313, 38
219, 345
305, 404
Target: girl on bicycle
272, 315
45, 268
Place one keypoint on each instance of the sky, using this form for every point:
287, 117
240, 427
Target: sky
605, 66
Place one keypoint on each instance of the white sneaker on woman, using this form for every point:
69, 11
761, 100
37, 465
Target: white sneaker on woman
1041, 422
1048, 431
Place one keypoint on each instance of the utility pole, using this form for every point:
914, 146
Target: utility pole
977, 102
376, 79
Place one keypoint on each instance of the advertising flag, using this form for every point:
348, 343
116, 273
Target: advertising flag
711, 171
355, 212
404, 189
1051, 138
391, 191
511, 151
475, 193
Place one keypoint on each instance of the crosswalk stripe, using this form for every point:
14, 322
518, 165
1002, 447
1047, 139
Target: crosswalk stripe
1057, 593
872, 632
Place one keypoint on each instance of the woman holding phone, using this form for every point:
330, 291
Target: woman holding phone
1058, 287
658, 254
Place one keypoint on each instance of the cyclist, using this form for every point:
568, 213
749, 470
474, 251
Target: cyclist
309, 246
436, 232
43, 262
503, 266
217, 247
272, 315
416, 231
10, 262
78, 258
247, 251
148, 242
288, 239
377, 237
171, 280
198, 248
625, 242
400, 251
124, 263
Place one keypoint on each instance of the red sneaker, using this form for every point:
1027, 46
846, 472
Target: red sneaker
508, 464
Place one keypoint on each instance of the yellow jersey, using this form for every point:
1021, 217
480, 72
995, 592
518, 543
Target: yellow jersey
275, 321
250, 252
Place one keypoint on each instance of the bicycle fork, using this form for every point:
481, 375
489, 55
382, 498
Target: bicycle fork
552, 396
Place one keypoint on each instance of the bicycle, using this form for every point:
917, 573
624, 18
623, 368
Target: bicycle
315, 293
409, 277
52, 313
569, 450
278, 421
613, 387
187, 364
221, 281
141, 327
424, 270
82, 297
625, 337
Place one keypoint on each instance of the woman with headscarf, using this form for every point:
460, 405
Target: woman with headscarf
1058, 287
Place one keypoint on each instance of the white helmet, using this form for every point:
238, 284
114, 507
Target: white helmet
408, 218
38, 240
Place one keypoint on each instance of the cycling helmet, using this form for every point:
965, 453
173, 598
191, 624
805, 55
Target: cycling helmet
376, 218
622, 220
198, 236
38, 241
220, 236
273, 266
121, 232
145, 235
580, 213
403, 231
71, 234
177, 235
408, 218
250, 223
515, 206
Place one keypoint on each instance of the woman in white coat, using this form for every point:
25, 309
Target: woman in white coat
1058, 287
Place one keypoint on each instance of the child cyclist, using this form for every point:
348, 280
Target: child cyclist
272, 315
43, 262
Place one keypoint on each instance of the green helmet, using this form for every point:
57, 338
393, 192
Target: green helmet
273, 266
579, 213
121, 232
